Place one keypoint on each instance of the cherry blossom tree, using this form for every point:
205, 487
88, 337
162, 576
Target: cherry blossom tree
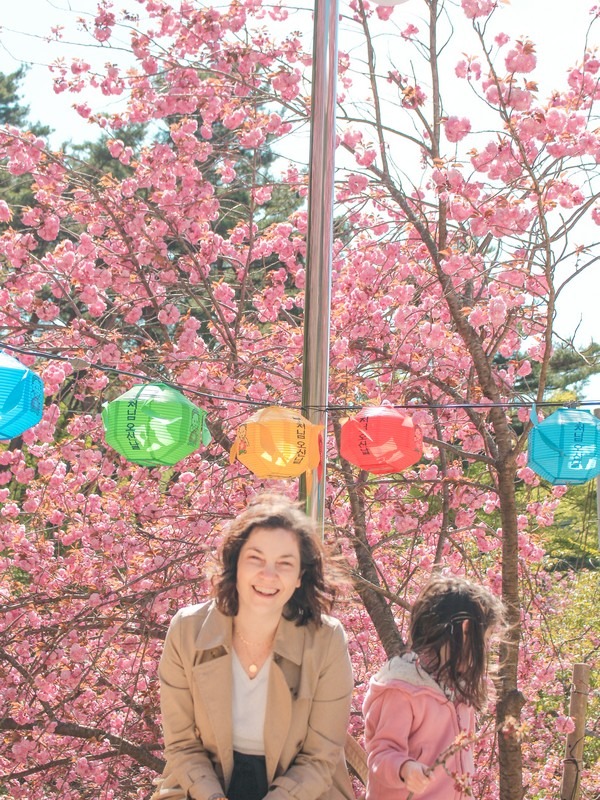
457, 225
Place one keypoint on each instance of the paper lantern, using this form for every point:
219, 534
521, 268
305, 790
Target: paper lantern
381, 440
21, 397
565, 447
154, 425
278, 443
390, 2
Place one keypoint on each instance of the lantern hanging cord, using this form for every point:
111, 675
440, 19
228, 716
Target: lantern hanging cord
81, 364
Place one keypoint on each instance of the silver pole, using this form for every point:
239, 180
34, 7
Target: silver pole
315, 368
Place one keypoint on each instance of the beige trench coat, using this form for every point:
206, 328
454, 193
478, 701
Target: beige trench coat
308, 707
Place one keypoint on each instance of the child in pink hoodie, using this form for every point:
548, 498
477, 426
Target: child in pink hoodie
419, 709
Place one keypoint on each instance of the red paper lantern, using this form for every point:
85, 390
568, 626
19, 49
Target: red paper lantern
381, 440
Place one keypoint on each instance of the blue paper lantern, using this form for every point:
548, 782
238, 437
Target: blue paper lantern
21, 397
565, 447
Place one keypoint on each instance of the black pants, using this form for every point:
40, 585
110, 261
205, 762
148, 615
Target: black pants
249, 779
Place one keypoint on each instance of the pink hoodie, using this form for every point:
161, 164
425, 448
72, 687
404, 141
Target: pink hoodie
408, 716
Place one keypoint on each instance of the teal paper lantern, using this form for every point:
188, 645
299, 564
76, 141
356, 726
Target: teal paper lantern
565, 447
21, 397
154, 425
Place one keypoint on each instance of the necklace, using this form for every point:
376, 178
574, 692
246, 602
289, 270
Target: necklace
265, 647
247, 642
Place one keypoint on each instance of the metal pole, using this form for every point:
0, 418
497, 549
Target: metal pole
315, 368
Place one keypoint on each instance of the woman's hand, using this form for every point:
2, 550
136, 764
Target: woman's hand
415, 776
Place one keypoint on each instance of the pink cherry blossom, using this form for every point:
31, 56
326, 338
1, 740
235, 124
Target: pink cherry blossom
5, 212
262, 194
358, 183
49, 228
521, 58
477, 8
169, 315
366, 157
457, 128
565, 724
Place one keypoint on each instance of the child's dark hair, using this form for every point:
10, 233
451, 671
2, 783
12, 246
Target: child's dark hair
453, 653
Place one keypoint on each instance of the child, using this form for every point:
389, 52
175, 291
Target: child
421, 701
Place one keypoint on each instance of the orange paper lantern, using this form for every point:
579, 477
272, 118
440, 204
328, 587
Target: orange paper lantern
278, 443
381, 440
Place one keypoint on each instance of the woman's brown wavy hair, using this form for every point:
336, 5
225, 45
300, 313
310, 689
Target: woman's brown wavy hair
316, 593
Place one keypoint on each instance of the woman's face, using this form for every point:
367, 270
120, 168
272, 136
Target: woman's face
268, 570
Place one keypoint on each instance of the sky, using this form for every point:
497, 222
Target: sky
25, 25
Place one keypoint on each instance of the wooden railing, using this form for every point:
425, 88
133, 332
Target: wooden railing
356, 759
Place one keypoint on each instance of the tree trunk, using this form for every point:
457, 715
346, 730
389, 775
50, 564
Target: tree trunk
510, 700
366, 582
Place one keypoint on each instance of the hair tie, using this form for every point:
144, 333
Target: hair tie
462, 616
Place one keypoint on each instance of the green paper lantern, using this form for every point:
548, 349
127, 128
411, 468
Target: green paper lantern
154, 425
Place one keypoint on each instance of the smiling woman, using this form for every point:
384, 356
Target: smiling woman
256, 684
268, 574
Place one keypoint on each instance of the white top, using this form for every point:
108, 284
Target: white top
249, 707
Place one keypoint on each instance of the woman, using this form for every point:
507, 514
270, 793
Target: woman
256, 684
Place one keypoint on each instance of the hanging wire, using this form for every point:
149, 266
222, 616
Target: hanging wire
82, 364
